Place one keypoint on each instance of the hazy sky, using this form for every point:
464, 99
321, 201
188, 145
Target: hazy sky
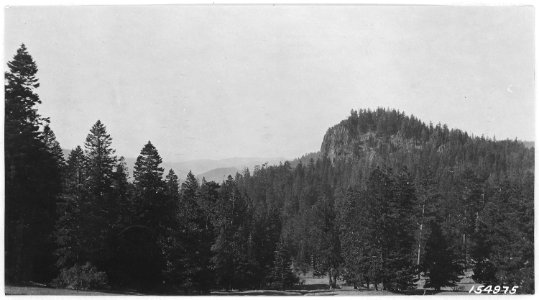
268, 81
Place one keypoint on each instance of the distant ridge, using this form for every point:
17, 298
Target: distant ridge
209, 168
218, 175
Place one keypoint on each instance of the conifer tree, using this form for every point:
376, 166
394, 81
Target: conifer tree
21, 97
325, 240
75, 175
100, 161
209, 195
122, 192
233, 267
99, 208
53, 148
118, 273
153, 214
172, 186
378, 229
484, 271
195, 237
32, 175
68, 235
400, 217
148, 173
357, 234
439, 265
281, 276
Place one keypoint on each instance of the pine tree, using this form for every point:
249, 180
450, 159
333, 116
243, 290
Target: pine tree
75, 174
172, 245
151, 203
377, 231
148, 174
209, 195
99, 208
281, 276
439, 265
233, 266
428, 195
379, 226
148, 232
484, 271
32, 175
52, 145
504, 236
357, 234
68, 235
195, 238
100, 161
172, 186
399, 259
21, 81
122, 192
325, 240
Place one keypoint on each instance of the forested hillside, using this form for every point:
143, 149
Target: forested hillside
387, 198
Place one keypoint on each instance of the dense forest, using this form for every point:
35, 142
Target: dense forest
386, 199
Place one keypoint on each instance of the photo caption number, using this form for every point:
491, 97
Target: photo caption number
513, 290
477, 290
481, 289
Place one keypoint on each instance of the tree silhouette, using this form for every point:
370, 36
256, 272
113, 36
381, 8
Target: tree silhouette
439, 264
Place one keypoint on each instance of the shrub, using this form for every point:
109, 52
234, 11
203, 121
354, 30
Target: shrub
85, 277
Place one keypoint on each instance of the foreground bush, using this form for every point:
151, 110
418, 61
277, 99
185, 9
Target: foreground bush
85, 277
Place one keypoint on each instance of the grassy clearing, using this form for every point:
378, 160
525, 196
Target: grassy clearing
34, 290
311, 286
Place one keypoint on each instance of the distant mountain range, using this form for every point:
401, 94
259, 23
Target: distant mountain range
218, 169
211, 169
218, 175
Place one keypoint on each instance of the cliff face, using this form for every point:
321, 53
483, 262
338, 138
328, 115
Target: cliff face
342, 142
338, 141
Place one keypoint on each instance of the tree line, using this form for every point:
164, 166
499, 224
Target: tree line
388, 198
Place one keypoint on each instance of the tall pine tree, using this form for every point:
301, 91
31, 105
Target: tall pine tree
440, 265
99, 208
281, 276
32, 175
153, 214
234, 268
195, 239
68, 234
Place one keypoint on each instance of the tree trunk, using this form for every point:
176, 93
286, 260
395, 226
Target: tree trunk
420, 235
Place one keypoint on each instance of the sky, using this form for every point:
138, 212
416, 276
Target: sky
214, 82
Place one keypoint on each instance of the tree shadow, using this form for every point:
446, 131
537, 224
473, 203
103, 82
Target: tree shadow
419, 292
312, 287
257, 293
